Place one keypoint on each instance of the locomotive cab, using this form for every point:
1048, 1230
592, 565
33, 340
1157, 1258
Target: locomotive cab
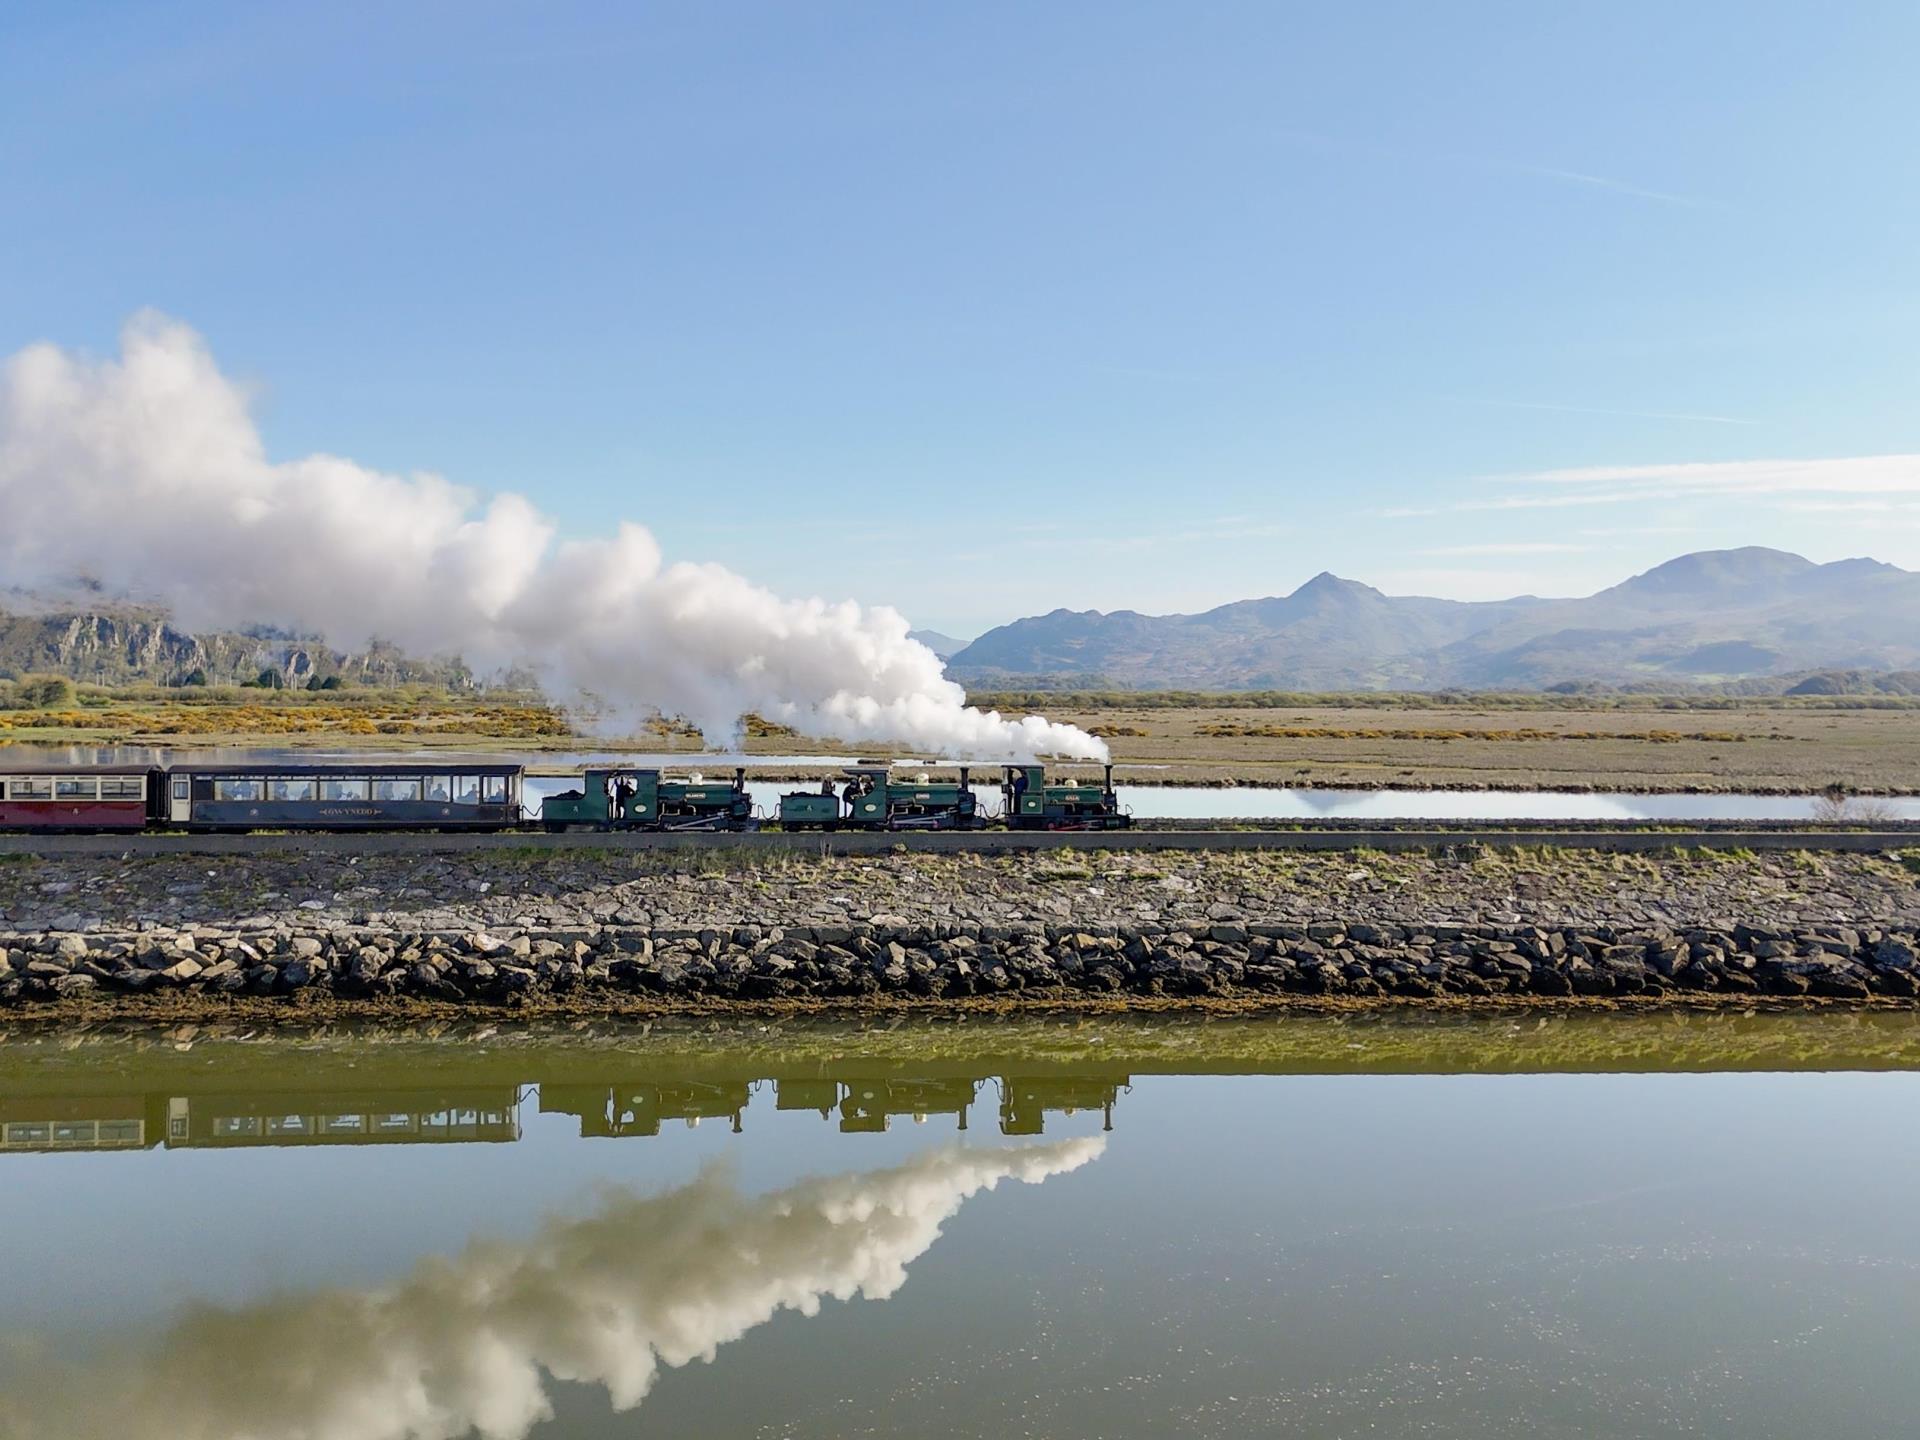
1029, 802
878, 801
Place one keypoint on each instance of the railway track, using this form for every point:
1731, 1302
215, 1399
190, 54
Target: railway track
1329, 835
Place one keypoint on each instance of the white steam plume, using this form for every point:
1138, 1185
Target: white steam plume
148, 472
465, 1345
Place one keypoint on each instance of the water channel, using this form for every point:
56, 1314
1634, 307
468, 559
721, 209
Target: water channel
1571, 1225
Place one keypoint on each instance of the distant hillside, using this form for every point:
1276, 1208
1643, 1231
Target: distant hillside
1705, 618
944, 646
101, 641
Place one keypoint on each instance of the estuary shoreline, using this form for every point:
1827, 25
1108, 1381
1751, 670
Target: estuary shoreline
639, 933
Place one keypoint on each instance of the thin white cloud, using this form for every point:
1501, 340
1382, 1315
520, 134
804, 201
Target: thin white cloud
1700, 417
1851, 507
1848, 475
1512, 502
1559, 174
1772, 482
1510, 547
1602, 182
1223, 530
1615, 532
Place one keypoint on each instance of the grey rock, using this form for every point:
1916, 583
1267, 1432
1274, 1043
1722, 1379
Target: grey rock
1892, 954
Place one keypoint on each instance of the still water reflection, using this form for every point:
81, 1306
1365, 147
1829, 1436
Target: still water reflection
1576, 1225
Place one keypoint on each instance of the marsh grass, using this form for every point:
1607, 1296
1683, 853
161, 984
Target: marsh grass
1056, 874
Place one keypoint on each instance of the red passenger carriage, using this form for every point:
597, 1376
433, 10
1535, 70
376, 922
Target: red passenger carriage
73, 797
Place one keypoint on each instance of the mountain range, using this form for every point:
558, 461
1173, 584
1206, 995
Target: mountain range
1717, 617
1704, 618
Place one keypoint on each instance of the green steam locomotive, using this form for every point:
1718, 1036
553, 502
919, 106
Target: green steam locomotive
864, 797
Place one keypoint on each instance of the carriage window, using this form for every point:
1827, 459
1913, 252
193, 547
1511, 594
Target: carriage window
181, 788
124, 787
76, 789
438, 788
345, 789
495, 790
237, 789
466, 790
396, 789
32, 789
290, 789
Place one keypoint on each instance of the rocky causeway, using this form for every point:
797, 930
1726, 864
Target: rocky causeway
612, 930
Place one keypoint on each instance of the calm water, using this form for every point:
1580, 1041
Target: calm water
1257, 803
1525, 1227
1247, 802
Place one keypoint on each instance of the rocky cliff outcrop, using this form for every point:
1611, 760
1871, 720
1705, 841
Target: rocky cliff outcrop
116, 645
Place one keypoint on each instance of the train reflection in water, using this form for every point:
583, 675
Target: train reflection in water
491, 1113
233, 1122
862, 1104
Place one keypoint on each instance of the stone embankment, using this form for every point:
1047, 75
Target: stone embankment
591, 931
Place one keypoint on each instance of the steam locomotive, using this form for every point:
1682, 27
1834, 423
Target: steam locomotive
489, 797
867, 797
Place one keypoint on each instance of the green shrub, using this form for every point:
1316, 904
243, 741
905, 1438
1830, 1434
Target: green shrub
45, 692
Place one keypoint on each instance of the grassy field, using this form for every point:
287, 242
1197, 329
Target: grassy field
1478, 742
1759, 746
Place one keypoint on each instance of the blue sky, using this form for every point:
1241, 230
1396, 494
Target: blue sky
979, 309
